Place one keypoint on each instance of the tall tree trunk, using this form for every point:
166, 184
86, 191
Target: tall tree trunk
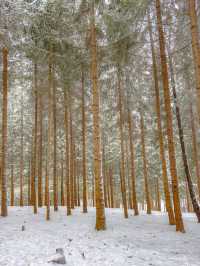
182, 142
168, 111
29, 179
33, 188
75, 172
122, 167
195, 46
158, 194
146, 185
100, 208
55, 185
21, 198
84, 160
4, 211
160, 133
67, 159
40, 157
134, 195
71, 153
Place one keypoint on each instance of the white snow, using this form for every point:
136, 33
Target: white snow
137, 241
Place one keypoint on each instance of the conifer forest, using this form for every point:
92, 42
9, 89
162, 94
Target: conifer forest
100, 132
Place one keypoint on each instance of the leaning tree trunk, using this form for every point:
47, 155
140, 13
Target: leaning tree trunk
146, 183
182, 142
169, 124
160, 132
100, 208
84, 161
195, 46
4, 211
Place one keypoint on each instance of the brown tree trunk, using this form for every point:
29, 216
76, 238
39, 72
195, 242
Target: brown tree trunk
195, 149
158, 195
62, 198
55, 183
195, 46
182, 142
100, 208
168, 111
122, 167
12, 191
4, 211
160, 133
40, 157
134, 195
71, 153
111, 187
21, 198
104, 175
67, 158
33, 188
146, 185
84, 160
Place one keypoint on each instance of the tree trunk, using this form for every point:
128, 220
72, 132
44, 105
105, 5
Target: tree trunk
62, 198
21, 198
111, 187
67, 159
168, 111
40, 157
100, 208
12, 190
182, 142
104, 175
121, 125
4, 211
195, 46
160, 133
146, 185
134, 195
33, 189
71, 153
55, 185
84, 160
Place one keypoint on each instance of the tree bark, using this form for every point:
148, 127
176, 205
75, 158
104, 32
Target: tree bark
168, 111
160, 132
4, 210
100, 208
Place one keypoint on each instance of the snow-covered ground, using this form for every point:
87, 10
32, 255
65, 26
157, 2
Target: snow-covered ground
137, 241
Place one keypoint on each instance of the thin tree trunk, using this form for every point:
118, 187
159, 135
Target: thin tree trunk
195, 149
40, 157
84, 161
55, 183
160, 133
104, 176
21, 200
4, 211
62, 198
100, 208
158, 194
182, 142
146, 185
71, 153
169, 125
134, 195
67, 159
111, 187
121, 125
195, 46
33, 189
12, 190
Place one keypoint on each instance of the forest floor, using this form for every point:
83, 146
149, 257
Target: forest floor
137, 241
